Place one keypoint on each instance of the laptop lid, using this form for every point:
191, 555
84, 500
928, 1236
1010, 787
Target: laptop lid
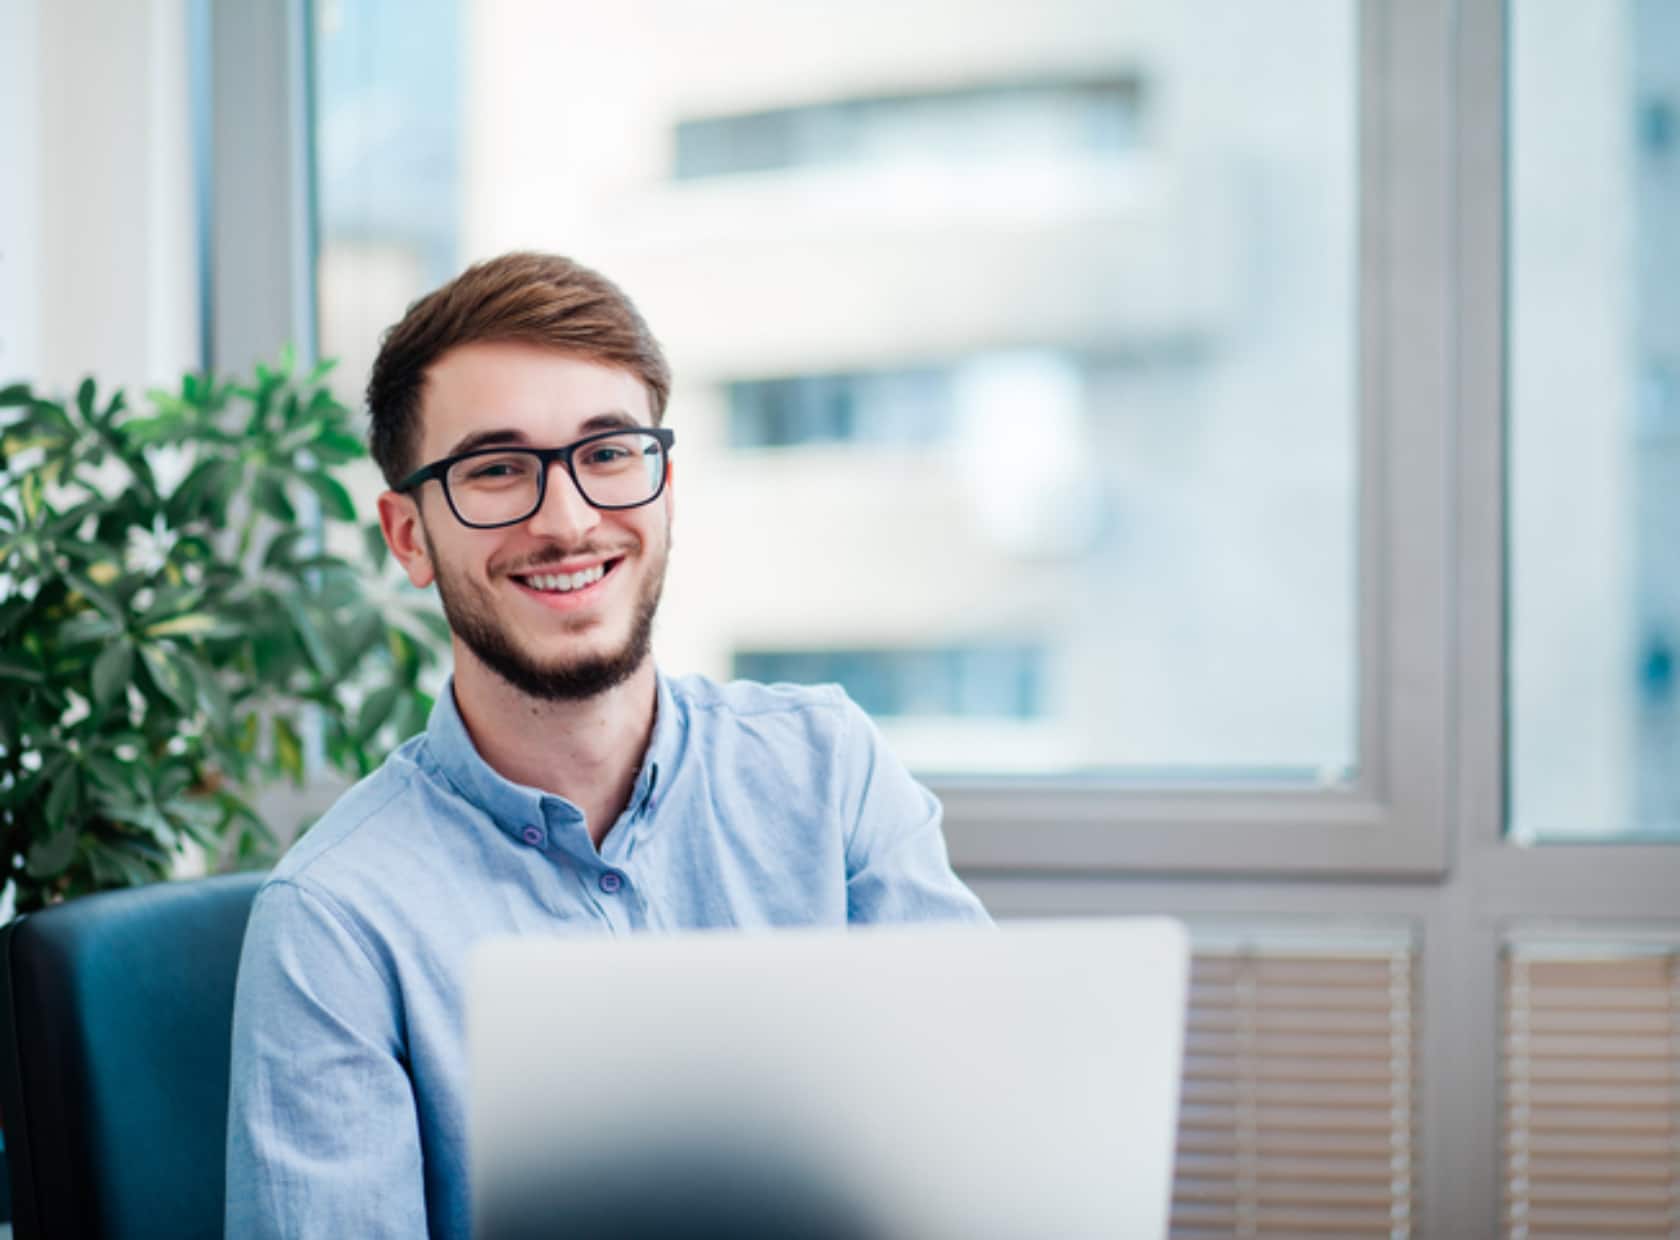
903, 1083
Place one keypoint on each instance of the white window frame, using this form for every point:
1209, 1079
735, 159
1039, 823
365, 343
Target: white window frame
256, 173
1394, 818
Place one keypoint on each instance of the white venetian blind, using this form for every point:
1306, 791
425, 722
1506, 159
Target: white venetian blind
1592, 1094
1298, 1107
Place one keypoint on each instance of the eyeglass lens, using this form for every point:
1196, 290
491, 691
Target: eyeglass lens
619, 471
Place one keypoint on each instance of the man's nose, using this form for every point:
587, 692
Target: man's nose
564, 514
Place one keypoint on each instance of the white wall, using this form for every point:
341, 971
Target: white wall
99, 266
19, 187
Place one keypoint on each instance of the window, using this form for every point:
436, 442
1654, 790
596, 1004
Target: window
388, 149
979, 125
1594, 421
884, 407
964, 681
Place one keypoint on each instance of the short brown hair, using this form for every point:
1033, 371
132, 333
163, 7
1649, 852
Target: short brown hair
541, 299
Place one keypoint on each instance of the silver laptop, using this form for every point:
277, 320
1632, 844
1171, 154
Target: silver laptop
905, 1083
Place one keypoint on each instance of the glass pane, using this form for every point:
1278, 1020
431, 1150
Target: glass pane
1014, 340
1594, 408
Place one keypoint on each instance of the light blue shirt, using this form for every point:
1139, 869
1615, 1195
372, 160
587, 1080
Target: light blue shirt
755, 806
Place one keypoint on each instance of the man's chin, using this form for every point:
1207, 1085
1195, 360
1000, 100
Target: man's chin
561, 666
570, 680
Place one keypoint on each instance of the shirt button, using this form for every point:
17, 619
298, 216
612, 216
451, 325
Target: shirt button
533, 836
611, 881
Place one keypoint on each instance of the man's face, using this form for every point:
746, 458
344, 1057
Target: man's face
500, 587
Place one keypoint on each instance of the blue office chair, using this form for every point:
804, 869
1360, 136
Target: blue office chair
116, 1012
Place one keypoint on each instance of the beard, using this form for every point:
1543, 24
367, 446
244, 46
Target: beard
472, 618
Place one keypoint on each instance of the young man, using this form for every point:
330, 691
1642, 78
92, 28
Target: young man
563, 785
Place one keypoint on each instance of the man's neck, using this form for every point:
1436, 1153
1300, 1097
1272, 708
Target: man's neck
587, 751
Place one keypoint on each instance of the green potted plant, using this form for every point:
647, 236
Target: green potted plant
188, 611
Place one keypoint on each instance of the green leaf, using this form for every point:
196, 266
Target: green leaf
172, 601
170, 677
413, 714
436, 626
309, 636
282, 548
123, 866
336, 447
165, 400
12, 611
184, 501
199, 820
374, 712
209, 485
172, 781
373, 542
322, 369
27, 672
336, 564
269, 494
334, 498
17, 394
112, 672
262, 400
62, 796
84, 399
297, 437
339, 586
288, 748
88, 626
158, 429
113, 776
192, 624
98, 597
221, 486
29, 495
211, 692
51, 857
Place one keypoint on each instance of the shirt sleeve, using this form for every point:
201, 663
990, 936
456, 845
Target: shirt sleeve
322, 1134
897, 869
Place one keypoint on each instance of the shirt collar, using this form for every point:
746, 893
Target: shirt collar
517, 809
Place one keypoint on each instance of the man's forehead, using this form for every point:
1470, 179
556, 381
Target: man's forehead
545, 395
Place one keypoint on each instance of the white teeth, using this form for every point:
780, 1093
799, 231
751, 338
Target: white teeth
566, 582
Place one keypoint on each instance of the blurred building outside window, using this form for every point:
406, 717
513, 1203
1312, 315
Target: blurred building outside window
1594, 420
960, 682
994, 325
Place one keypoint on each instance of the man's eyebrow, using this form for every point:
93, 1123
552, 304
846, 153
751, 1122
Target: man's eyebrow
488, 439
612, 419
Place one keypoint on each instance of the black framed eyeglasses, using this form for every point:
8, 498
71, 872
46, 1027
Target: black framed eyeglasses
491, 487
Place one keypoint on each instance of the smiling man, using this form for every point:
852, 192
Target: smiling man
563, 784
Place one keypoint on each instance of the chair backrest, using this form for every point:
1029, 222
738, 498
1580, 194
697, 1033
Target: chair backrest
116, 1014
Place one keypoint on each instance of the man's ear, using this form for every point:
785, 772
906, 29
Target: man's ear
399, 521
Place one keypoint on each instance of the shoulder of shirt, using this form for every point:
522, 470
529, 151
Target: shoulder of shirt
750, 698
378, 803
